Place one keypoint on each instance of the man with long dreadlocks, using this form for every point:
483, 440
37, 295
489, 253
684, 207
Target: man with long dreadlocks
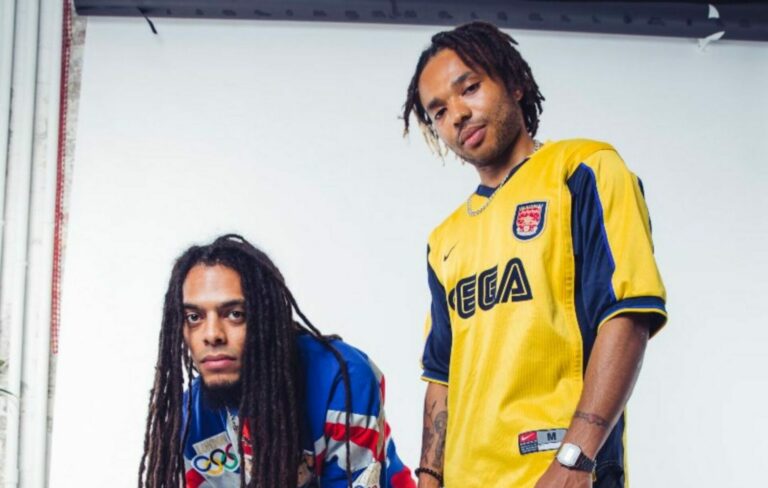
269, 403
544, 285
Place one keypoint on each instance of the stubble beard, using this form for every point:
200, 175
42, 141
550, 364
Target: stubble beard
507, 120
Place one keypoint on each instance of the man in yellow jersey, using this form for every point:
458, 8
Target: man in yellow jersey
544, 285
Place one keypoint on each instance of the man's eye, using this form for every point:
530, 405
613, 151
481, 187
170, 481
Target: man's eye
472, 88
238, 315
191, 318
439, 114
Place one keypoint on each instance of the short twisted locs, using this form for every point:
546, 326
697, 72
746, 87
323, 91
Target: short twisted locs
482, 46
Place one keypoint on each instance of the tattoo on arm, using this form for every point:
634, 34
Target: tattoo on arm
592, 418
441, 422
427, 435
433, 435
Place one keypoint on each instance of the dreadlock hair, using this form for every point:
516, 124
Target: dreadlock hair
483, 46
272, 398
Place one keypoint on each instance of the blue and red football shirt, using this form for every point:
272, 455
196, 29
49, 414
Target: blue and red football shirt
212, 459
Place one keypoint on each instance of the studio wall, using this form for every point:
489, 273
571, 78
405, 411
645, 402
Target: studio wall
289, 134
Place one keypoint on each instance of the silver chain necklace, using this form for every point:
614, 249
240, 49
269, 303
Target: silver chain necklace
472, 213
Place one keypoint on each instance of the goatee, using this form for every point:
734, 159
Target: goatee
220, 396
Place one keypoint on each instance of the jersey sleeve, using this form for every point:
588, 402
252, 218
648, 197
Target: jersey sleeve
398, 474
616, 271
372, 456
437, 346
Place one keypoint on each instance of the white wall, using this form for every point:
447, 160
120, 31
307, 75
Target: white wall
289, 134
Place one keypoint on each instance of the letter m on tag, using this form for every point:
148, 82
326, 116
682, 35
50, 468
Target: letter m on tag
551, 436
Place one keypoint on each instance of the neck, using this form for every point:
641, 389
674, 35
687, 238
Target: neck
493, 174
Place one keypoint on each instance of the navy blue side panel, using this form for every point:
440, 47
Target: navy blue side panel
594, 263
588, 335
437, 350
642, 191
612, 453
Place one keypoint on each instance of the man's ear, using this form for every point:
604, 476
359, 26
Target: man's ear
517, 94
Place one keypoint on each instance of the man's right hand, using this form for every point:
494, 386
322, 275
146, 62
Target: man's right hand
433, 434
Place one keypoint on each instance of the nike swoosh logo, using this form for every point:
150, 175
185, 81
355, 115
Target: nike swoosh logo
445, 257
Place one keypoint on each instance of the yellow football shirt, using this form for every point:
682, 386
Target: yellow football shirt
519, 293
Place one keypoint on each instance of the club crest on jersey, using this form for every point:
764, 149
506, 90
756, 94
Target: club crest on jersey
529, 220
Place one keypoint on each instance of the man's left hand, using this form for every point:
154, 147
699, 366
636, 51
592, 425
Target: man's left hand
558, 476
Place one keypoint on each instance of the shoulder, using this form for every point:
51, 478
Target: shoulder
320, 361
574, 151
326, 386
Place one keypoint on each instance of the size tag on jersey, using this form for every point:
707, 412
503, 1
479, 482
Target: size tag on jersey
540, 440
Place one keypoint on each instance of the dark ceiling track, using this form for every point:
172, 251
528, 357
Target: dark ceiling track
742, 20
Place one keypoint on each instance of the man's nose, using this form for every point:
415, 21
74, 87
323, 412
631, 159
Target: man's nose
214, 331
461, 112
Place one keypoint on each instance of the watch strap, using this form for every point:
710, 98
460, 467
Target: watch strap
583, 463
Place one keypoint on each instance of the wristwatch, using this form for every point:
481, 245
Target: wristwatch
571, 457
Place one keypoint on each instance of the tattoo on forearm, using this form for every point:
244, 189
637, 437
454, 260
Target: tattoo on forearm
427, 435
433, 435
591, 418
441, 424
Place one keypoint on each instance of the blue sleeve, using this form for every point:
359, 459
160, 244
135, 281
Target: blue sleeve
367, 423
398, 474
437, 347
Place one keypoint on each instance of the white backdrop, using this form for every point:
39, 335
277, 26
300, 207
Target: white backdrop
289, 134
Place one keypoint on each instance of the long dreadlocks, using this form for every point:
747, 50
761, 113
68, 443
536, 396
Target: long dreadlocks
480, 45
271, 401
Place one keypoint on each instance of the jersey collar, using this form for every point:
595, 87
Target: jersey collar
487, 191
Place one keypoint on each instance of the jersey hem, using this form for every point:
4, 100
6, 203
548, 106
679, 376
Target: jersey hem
650, 305
430, 379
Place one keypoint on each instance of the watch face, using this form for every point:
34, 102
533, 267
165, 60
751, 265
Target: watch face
568, 455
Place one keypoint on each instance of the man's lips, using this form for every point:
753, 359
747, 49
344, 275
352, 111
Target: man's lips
217, 361
472, 135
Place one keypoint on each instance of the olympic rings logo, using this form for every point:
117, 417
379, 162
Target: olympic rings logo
215, 463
